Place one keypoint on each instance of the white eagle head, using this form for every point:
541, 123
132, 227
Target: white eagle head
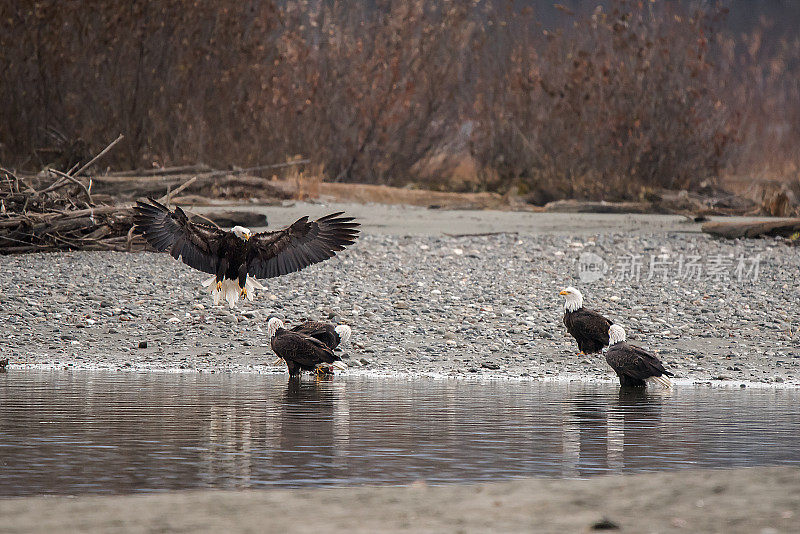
242, 233
344, 333
616, 334
272, 326
573, 299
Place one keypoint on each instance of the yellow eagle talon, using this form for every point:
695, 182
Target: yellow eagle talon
323, 371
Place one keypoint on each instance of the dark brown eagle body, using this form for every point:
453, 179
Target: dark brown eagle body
589, 328
634, 365
228, 256
323, 332
301, 352
233, 262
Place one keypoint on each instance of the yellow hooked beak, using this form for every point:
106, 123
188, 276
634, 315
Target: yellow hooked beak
247, 236
564, 292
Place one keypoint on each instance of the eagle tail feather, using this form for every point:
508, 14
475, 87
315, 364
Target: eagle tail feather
230, 291
339, 365
663, 381
252, 282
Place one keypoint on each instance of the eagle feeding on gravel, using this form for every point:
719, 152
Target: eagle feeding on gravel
301, 352
237, 257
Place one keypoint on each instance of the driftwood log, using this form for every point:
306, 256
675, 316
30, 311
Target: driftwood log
708, 202
734, 230
585, 206
231, 218
205, 185
59, 214
56, 210
221, 184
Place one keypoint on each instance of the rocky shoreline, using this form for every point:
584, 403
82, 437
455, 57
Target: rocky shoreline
426, 303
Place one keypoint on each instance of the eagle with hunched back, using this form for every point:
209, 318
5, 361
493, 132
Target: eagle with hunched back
634, 366
301, 352
331, 336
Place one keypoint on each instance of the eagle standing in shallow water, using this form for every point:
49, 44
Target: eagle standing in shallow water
300, 351
634, 365
589, 328
237, 257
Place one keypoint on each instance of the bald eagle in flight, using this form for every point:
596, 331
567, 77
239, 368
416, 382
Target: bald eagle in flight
331, 335
237, 257
589, 328
634, 365
300, 351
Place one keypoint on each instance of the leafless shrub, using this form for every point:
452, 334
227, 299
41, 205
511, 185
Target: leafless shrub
624, 100
176, 77
379, 83
637, 97
763, 83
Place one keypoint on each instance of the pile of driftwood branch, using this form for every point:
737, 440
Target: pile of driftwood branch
56, 210
59, 216
197, 184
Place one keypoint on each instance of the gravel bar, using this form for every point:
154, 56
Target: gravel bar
424, 301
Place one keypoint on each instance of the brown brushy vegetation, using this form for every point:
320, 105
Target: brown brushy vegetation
642, 96
626, 97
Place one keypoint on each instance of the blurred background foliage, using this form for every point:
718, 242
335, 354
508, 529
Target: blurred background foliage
588, 99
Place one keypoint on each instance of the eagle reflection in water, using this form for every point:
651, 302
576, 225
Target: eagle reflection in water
313, 427
602, 432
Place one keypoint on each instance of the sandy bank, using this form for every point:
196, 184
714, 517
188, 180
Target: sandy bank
744, 500
402, 220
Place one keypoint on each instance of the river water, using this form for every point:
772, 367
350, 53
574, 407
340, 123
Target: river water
96, 432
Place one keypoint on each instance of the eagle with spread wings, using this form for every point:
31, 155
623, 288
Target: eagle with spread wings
237, 257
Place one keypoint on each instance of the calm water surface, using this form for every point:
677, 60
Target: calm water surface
91, 432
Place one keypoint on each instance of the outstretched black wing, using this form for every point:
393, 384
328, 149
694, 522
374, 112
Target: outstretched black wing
196, 244
300, 245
